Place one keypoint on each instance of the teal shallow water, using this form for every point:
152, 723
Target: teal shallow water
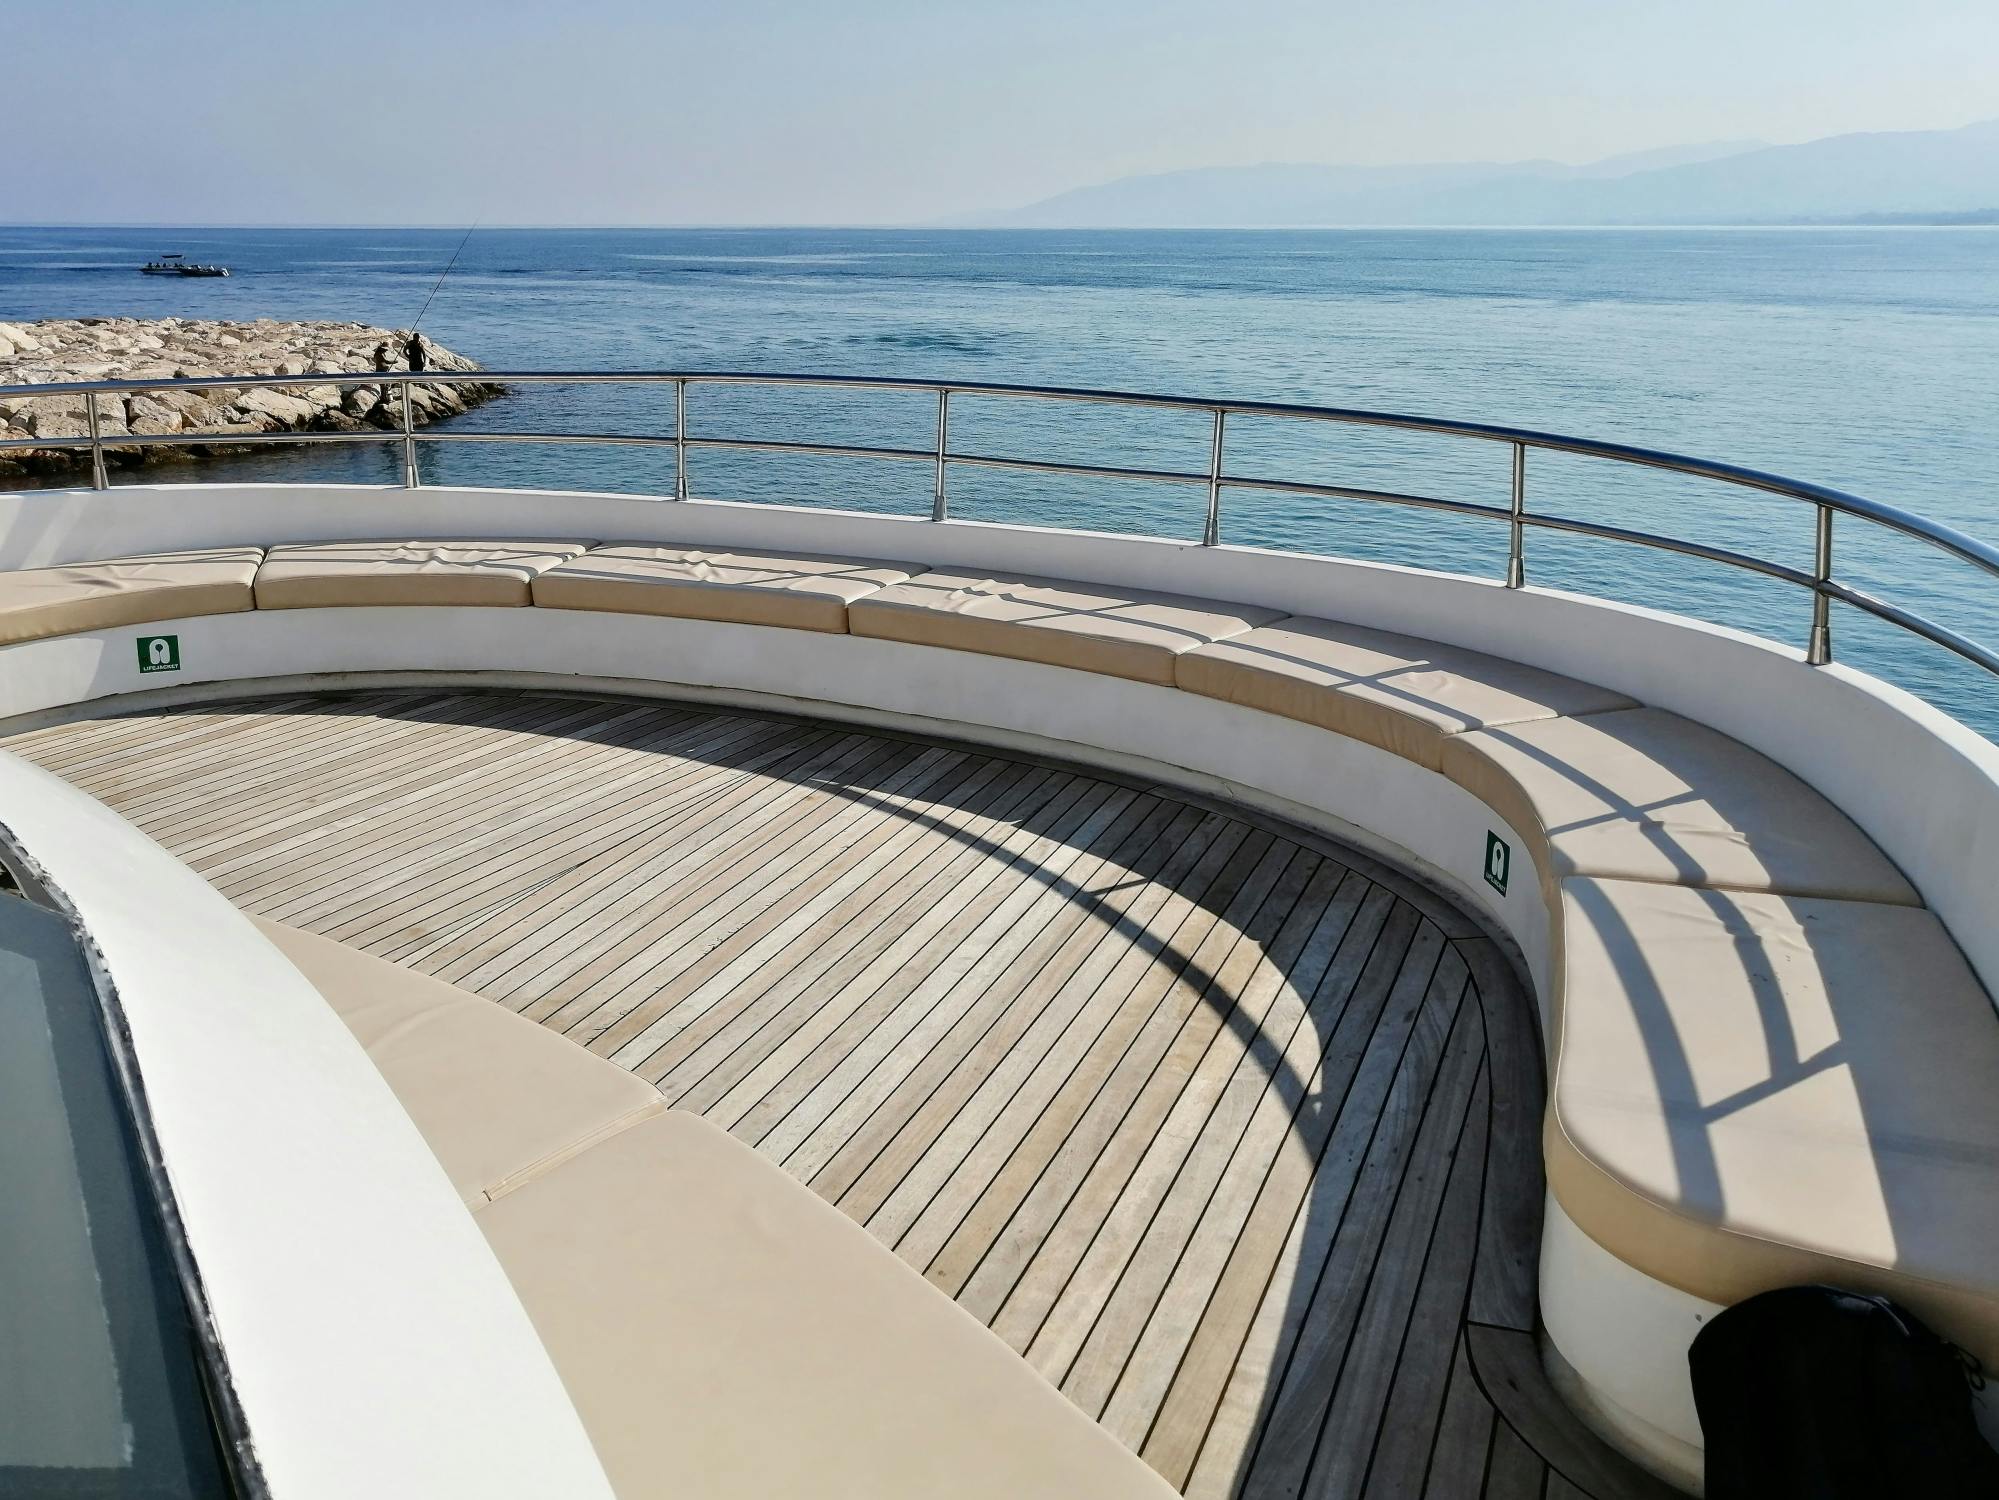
1864, 359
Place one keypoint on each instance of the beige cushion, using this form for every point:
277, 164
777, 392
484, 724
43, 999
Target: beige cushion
497, 1097
319, 575
39, 602
725, 1333
1092, 627
1396, 692
1642, 794
746, 588
1753, 1091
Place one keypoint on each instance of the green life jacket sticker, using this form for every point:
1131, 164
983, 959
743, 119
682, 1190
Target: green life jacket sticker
159, 653
1498, 861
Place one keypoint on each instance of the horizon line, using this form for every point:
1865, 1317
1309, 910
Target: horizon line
1914, 219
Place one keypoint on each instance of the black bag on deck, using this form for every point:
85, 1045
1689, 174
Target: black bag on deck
1815, 1392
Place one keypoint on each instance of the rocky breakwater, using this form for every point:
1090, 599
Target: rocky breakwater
87, 349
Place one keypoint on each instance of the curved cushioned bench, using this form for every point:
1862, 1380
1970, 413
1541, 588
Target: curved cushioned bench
1642, 794
498, 1099
1769, 1063
1395, 692
721, 1329
1756, 1090
319, 575
1119, 632
743, 588
39, 602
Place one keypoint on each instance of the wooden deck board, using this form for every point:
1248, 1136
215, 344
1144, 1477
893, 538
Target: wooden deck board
753, 1074
822, 932
1462, 1438
467, 801
731, 1018
921, 989
862, 1175
1229, 1130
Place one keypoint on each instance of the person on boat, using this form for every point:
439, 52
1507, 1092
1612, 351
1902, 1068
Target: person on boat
419, 357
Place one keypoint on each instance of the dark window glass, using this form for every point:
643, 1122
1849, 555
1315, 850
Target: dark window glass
100, 1379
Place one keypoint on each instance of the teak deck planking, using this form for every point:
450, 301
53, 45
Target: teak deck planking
1228, 1130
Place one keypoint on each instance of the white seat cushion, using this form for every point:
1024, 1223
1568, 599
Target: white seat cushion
727, 1334
1089, 626
321, 575
39, 602
1642, 794
804, 592
1397, 692
497, 1097
1752, 1091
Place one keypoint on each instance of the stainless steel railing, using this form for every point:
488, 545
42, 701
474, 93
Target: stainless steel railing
1821, 582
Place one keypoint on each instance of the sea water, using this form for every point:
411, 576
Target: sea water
1866, 359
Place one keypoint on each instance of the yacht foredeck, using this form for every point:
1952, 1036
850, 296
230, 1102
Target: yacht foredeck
1230, 1131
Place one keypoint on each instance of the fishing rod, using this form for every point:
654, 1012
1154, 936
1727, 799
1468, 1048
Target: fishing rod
440, 280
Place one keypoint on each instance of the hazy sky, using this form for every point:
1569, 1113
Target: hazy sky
884, 111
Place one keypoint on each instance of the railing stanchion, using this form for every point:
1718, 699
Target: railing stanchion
680, 439
1516, 529
1211, 535
410, 477
1819, 650
939, 507
99, 480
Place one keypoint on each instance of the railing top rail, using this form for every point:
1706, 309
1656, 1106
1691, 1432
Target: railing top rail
1959, 543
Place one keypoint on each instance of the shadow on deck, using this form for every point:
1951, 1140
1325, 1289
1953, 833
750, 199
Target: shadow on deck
1230, 1131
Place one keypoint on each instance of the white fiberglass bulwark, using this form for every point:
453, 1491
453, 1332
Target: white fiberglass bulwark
372, 1343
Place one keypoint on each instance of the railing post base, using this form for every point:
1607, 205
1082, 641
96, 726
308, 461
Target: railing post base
99, 480
680, 439
939, 502
1211, 533
1516, 530
1818, 646
410, 478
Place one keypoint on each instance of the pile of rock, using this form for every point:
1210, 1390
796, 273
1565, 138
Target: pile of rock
81, 349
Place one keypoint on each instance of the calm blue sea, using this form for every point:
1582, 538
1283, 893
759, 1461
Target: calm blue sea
1865, 359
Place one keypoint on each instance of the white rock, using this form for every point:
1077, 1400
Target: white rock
289, 410
188, 403
55, 416
149, 417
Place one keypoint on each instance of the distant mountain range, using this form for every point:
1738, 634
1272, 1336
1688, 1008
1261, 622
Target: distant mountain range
1883, 177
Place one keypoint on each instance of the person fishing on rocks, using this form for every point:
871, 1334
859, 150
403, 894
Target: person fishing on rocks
414, 348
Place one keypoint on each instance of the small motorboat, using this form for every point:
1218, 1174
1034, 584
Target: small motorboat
178, 265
